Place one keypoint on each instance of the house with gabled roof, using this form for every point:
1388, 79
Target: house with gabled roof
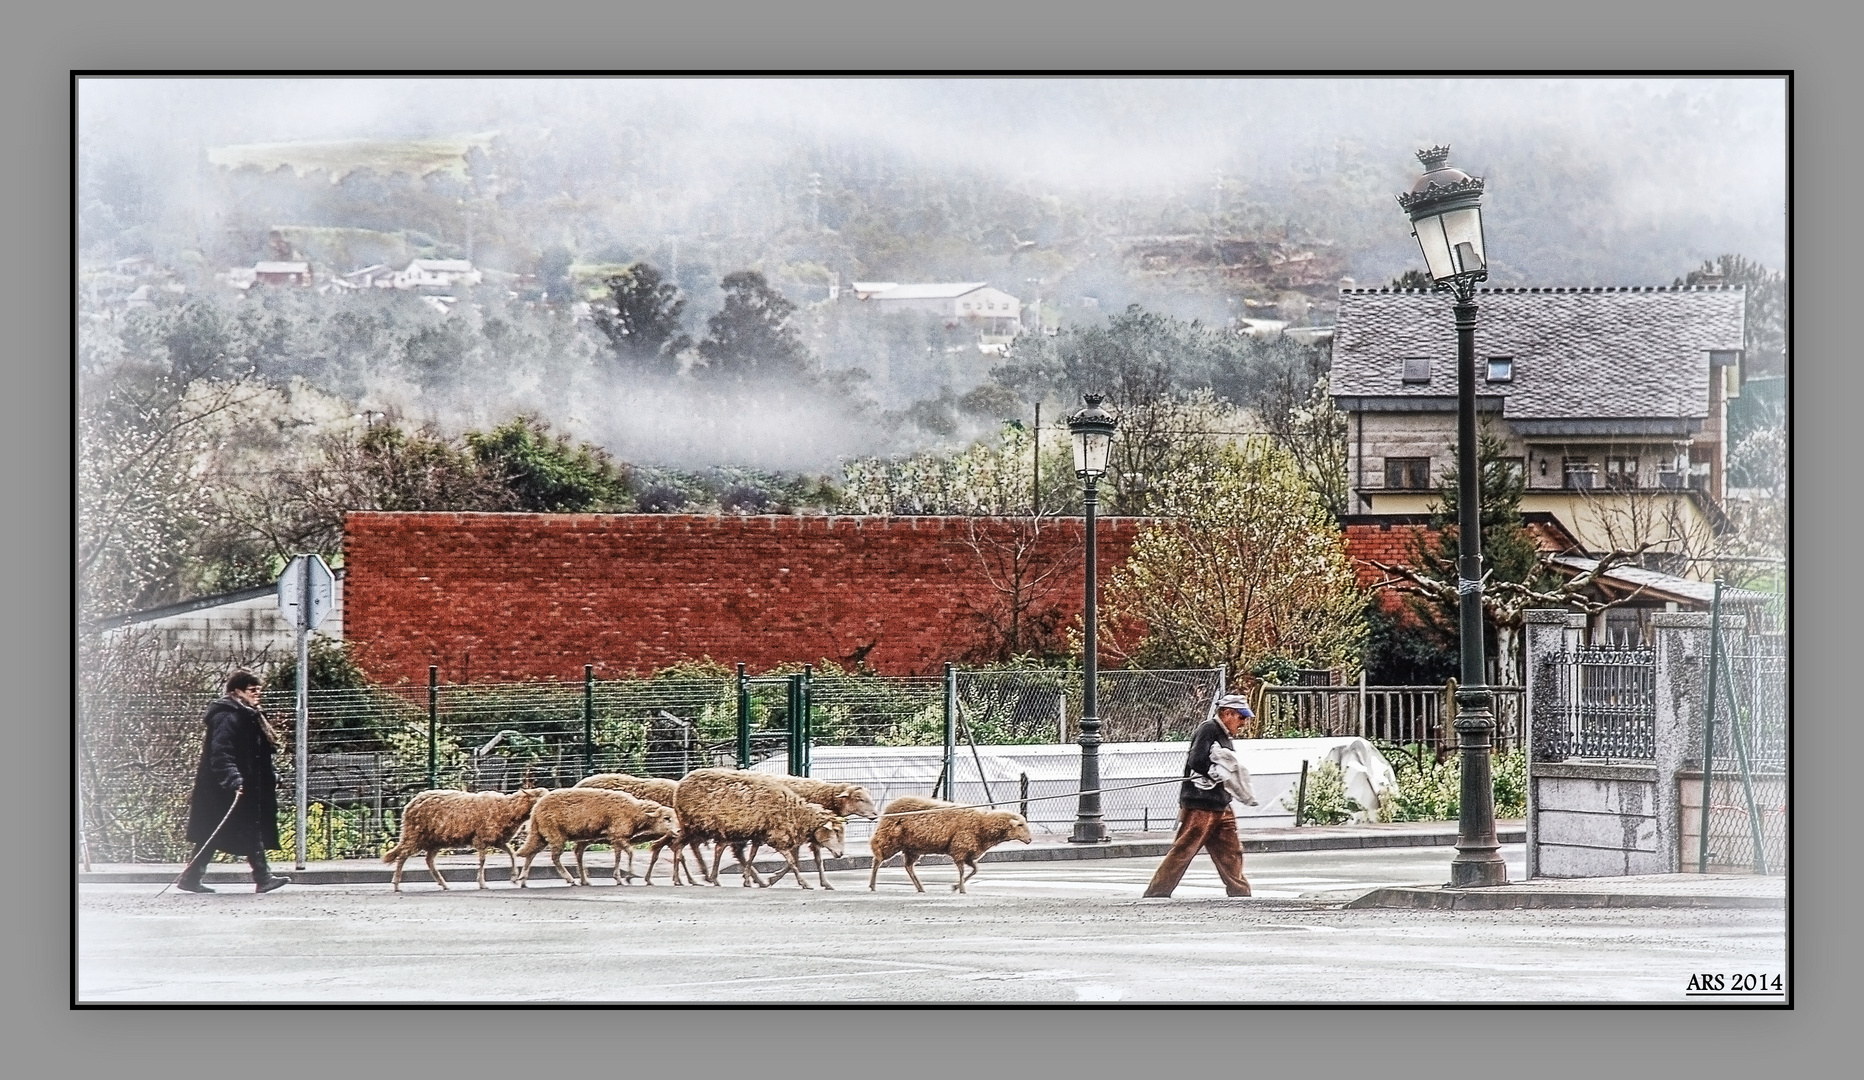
995, 312
1611, 401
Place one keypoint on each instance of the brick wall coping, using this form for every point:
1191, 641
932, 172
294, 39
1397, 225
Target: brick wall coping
1597, 770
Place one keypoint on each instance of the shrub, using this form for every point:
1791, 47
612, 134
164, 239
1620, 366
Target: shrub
1431, 790
1327, 803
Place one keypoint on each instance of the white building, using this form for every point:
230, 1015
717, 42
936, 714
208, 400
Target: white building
435, 274
241, 623
994, 312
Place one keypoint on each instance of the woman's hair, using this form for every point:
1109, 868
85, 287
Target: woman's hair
241, 679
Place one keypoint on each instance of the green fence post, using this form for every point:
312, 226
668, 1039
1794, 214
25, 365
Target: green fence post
588, 719
790, 723
433, 725
951, 720
1708, 726
808, 717
744, 720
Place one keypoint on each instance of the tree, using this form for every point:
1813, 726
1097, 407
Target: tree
1413, 279
541, 474
1297, 408
640, 316
751, 336
1245, 564
1764, 335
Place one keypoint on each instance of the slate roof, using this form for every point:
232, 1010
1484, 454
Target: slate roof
1659, 585
1579, 353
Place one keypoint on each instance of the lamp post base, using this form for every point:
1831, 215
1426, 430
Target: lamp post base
1478, 861
1090, 832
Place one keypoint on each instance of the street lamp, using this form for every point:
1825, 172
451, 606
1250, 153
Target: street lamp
1092, 429
1446, 217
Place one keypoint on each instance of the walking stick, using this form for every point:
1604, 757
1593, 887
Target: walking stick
207, 848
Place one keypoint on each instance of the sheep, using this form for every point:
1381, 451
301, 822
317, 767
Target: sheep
655, 790
582, 815
727, 806
438, 819
845, 800
962, 832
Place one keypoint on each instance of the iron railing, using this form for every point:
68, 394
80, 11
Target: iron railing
1388, 716
1606, 699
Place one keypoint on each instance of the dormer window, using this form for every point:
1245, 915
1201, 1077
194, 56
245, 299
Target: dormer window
1417, 369
1501, 369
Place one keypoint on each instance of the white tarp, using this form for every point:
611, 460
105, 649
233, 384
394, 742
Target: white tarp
1055, 770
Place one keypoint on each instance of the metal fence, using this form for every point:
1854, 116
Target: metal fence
1747, 819
1389, 716
1606, 699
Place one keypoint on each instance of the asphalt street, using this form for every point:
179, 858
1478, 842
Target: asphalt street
1058, 931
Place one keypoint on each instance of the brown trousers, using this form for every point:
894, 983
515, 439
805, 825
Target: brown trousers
1215, 832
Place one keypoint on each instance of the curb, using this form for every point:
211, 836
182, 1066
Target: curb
1527, 898
377, 873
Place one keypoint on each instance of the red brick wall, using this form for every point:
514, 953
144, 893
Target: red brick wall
536, 596
1381, 542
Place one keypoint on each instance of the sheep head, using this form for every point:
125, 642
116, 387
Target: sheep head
831, 833
1015, 826
661, 822
856, 801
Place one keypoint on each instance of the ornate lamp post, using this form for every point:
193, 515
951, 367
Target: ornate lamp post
1446, 217
1092, 429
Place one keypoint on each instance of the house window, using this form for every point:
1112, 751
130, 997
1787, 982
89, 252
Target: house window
1581, 473
1501, 369
1407, 473
1621, 472
1514, 468
1417, 369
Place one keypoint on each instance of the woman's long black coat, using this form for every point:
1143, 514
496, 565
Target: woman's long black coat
236, 751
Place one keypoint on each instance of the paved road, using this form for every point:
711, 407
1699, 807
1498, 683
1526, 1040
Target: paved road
1036, 931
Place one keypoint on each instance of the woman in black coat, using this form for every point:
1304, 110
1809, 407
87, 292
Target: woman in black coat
235, 773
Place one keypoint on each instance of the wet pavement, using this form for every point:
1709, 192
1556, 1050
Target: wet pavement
1056, 931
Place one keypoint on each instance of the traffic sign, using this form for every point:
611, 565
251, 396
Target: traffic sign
293, 592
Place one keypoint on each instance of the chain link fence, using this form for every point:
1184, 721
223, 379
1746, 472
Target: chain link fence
1747, 819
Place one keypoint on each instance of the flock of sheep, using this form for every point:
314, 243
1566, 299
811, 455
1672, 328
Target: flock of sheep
727, 808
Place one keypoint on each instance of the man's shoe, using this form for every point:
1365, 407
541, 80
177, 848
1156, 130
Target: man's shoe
276, 881
192, 886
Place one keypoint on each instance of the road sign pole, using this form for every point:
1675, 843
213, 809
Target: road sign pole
304, 706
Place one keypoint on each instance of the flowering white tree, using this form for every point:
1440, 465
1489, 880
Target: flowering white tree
1244, 564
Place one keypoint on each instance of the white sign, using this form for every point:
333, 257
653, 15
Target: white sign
291, 592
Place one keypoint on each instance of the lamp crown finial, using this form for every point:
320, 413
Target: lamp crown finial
1093, 400
1434, 157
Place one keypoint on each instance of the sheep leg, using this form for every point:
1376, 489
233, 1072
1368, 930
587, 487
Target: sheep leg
789, 857
399, 863
909, 872
434, 870
556, 860
653, 860
582, 872
532, 845
821, 878
873, 876
963, 865
629, 844
718, 857
778, 876
512, 853
745, 869
679, 854
481, 852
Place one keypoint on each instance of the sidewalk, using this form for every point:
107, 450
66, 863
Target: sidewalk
1046, 848
1645, 891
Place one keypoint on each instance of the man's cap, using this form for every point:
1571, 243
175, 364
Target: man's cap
1237, 702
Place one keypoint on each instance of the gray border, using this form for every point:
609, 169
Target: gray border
42, 44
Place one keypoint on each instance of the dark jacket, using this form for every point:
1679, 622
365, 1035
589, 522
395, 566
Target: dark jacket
236, 751
1209, 733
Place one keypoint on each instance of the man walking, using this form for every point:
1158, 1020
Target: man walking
235, 788
1205, 818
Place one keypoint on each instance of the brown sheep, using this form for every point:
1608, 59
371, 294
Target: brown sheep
653, 789
727, 806
844, 800
962, 832
582, 816
439, 819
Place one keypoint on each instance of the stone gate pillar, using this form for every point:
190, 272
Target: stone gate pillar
1682, 677
1545, 636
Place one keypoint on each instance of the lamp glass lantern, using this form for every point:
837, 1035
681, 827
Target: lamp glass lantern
1446, 218
1092, 429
